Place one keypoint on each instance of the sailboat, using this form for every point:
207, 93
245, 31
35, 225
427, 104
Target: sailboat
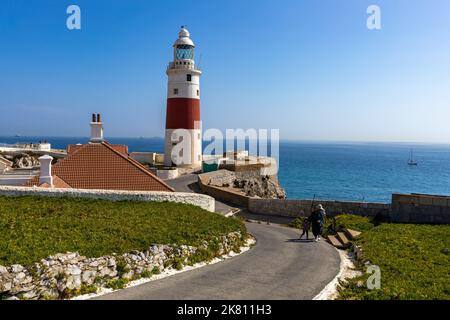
411, 161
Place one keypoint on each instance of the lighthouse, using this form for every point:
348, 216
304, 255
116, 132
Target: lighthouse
183, 136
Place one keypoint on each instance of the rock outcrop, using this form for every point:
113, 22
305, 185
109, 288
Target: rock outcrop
262, 187
252, 183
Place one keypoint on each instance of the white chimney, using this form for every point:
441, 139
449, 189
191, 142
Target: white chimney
96, 128
45, 175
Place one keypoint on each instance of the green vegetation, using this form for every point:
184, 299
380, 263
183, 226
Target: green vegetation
297, 223
69, 293
150, 273
156, 270
178, 263
353, 222
414, 260
201, 255
336, 223
116, 284
33, 227
121, 266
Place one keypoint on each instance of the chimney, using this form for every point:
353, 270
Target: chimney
96, 128
45, 175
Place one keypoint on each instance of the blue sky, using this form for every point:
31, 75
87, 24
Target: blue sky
309, 68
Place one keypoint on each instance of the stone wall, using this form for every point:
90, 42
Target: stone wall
65, 275
203, 201
405, 208
298, 208
286, 207
228, 195
419, 208
166, 174
237, 187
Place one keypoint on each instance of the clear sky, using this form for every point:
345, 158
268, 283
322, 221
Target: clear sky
309, 68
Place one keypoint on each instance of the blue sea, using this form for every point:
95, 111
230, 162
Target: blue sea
338, 171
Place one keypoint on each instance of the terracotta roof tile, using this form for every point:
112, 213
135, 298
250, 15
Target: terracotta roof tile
104, 166
71, 148
57, 183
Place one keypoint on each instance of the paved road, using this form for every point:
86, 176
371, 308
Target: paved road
278, 267
188, 183
185, 183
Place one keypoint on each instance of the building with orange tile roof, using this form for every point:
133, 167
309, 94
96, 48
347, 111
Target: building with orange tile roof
97, 165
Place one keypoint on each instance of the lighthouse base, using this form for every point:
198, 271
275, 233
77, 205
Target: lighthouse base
183, 148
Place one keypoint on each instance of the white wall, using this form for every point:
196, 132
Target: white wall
186, 89
200, 200
143, 157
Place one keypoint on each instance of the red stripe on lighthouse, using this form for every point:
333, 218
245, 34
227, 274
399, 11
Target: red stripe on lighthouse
182, 113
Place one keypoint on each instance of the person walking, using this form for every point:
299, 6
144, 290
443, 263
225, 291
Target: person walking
317, 219
306, 225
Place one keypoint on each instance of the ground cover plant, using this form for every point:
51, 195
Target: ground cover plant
413, 258
33, 228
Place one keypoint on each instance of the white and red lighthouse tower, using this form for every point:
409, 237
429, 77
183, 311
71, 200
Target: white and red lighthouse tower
183, 105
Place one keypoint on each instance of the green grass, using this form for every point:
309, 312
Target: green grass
353, 222
33, 228
333, 224
414, 260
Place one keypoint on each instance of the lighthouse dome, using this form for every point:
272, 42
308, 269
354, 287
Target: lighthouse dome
184, 38
184, 32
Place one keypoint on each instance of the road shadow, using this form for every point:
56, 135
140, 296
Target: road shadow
194, 187
300, 240
245, 214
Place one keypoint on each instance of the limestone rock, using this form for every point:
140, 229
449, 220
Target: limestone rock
88, 277
73, 270
252, 183
61, 273
111, 262
16, 268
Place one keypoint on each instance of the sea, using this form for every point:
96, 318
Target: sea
346, 171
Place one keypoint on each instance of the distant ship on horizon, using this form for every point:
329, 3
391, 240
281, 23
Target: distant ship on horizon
411, 161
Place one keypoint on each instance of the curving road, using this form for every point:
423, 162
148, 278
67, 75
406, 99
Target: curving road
189, 183
278, 267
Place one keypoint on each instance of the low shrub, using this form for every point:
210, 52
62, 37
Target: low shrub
146, 274
116, 284
156, 270
297, 223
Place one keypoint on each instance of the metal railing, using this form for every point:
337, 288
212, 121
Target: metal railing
172, 65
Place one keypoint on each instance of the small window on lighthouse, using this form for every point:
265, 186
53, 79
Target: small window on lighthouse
198, 92
189, 77
175, 91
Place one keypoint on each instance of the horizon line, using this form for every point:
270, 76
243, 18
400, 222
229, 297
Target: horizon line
281, 140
